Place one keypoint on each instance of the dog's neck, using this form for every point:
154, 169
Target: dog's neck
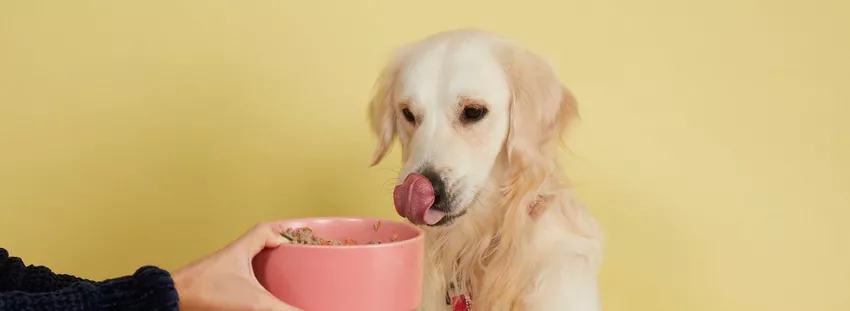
485, 239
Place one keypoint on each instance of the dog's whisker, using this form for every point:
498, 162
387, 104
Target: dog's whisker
391, 170
389, 180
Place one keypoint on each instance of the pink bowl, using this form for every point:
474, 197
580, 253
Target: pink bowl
367, 277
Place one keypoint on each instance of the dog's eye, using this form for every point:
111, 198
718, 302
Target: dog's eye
408, 115
473, 114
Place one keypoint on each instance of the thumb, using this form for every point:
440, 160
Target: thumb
264, 235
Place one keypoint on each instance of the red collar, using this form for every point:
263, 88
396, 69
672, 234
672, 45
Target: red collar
462, 302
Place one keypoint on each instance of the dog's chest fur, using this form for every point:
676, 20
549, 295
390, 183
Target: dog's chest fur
572, 255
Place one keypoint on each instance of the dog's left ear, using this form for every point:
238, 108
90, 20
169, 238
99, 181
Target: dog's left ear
541, 106
382, 117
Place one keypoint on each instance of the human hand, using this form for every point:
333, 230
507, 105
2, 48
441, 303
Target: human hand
225, 280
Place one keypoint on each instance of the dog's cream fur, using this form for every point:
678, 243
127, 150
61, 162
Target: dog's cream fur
525, 243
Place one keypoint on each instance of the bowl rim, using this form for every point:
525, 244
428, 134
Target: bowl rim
420, 234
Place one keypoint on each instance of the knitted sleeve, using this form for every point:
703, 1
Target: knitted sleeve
37, 288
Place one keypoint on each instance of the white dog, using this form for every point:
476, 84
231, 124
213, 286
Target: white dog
479, 119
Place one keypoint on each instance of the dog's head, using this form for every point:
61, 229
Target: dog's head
464, 104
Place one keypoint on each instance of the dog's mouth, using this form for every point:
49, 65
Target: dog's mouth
417, 200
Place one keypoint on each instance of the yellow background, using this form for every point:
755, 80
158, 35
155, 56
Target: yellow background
713, 148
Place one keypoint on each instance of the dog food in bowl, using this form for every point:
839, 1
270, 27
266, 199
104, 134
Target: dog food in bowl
305, 235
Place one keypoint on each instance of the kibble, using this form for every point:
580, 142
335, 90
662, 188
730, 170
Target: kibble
305, 236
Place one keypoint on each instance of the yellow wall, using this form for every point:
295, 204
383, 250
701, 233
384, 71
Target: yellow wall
714, 147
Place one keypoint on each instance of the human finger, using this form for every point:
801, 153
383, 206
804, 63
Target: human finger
263, 235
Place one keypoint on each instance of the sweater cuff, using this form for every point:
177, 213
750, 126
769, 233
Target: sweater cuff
150, 288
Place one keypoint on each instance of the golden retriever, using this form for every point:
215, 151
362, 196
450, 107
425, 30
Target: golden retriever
479, 119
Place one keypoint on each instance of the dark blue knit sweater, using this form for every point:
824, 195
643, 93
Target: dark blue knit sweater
36, 288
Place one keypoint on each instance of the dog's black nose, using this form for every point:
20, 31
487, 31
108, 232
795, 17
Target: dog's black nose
440, 198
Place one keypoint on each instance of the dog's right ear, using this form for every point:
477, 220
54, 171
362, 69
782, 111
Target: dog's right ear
382, 116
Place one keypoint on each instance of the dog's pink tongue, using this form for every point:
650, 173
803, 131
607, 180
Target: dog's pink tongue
413, 200
433, 216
